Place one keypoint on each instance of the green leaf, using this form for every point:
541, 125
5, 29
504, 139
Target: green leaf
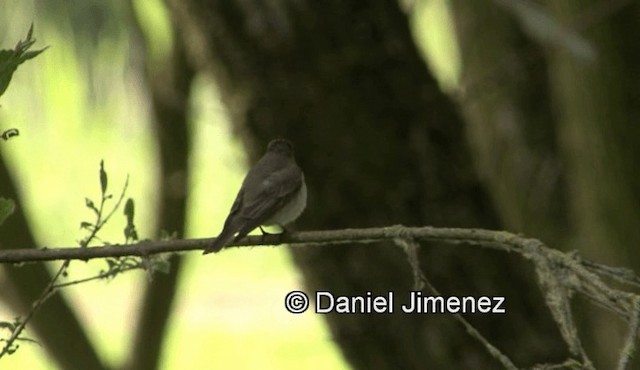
129, 210
11, 59
103, 178
130, 232
7, 206
89, 203
86, 225
12, 349
7, 325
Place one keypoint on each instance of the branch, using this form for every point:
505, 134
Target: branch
486, 238
500, 240
559, 274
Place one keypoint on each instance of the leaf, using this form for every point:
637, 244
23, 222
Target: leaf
130, 232
86, 225
12, 349
103, 177
129, 210
89, 203
7, 325
7, 206
11, 59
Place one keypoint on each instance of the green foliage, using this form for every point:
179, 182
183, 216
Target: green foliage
115, 265
7, 206
11, 59
102, 216
103, 178
130, 232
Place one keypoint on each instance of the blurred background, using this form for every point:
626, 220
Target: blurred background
516, 115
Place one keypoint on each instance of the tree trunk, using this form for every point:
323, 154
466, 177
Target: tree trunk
598, 107
554, 136
510, 121
169, 83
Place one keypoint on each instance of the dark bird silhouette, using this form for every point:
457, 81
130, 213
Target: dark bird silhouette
273, 193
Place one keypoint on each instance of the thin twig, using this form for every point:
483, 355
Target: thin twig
102, 275
473, 332
46, 293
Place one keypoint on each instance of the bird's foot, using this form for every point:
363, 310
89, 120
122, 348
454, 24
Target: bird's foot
265, 234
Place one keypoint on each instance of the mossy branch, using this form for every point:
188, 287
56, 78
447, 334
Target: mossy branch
559, 274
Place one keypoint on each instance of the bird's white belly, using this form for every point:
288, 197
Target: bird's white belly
291, 210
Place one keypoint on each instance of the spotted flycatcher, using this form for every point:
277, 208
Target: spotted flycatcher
272, 193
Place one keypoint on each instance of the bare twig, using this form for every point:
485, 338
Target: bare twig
410, 248
474, 333
629, 346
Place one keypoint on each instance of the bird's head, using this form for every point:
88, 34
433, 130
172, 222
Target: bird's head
281, 146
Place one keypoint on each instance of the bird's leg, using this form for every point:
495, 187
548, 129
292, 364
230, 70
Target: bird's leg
264, 234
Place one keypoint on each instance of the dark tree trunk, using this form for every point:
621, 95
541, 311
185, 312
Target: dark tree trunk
555, 134
598, 105
170, 87
380, 144
510, 122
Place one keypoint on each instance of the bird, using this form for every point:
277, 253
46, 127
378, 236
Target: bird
272, 193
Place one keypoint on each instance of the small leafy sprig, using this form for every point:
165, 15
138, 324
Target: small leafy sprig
126, 263
11, 59
130, 233
101, 219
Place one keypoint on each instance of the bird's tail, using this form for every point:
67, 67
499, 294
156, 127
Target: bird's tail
223, 239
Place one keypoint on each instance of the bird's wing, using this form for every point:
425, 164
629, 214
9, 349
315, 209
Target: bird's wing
274, 192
